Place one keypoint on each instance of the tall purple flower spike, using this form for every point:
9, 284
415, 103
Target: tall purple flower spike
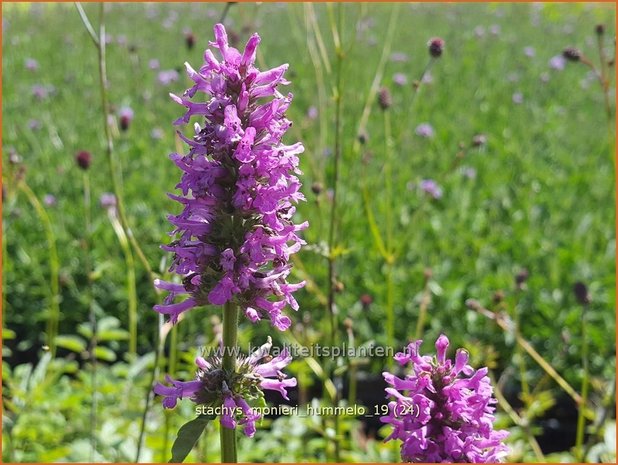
442, 411
235, 233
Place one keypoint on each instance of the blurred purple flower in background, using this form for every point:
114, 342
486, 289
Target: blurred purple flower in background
49, 200
32, 64
431, 187
400, 79
156, 134
424, 130
557, 62
41, 92
312, 112
108, 201
154, 64
518, 98
442, 411
468, 172
166, 77
399, 57
34, 124
530, 52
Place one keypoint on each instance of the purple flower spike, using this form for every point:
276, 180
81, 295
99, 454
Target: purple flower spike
214, 385
443, 411
235, 235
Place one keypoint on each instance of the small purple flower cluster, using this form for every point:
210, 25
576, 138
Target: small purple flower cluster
214, 387
235, 233
440, 415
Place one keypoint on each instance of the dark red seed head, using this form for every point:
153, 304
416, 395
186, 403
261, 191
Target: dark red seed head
436, 47
521, 278
83, 159
366, 300
581, 293
125, 121
190, 40
385, 100
317, 188
572, 54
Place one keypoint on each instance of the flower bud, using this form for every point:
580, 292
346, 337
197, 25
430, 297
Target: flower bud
83, 159
581, 293
366, 300
189, 40
436, 47
479, 140
521, 278
316, 188
126, 116
385, 100
572, 54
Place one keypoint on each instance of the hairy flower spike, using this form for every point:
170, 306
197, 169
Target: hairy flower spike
235, 235
442, 411
227, 393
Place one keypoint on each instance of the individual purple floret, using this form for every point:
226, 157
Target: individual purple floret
442, 411
213, 385
235, 233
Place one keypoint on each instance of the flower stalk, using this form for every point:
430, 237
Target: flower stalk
230, 343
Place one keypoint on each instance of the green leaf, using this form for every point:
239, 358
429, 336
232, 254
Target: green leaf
113, 335
8, 334
104, 353
72, 343
41, 370
188, 434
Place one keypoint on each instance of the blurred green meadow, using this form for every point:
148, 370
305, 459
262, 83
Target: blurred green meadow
516, 140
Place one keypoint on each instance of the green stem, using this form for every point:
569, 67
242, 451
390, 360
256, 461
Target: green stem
150, 393
422, 313
337, 31
410, 105
99, 43
525, 388
92, 316
581, 413
390, 259
54, 265
131, 283
230, 342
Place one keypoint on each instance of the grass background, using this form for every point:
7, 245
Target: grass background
542, 198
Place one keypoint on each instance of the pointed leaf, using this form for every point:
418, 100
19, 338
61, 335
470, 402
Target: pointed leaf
188, 434
72, 343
